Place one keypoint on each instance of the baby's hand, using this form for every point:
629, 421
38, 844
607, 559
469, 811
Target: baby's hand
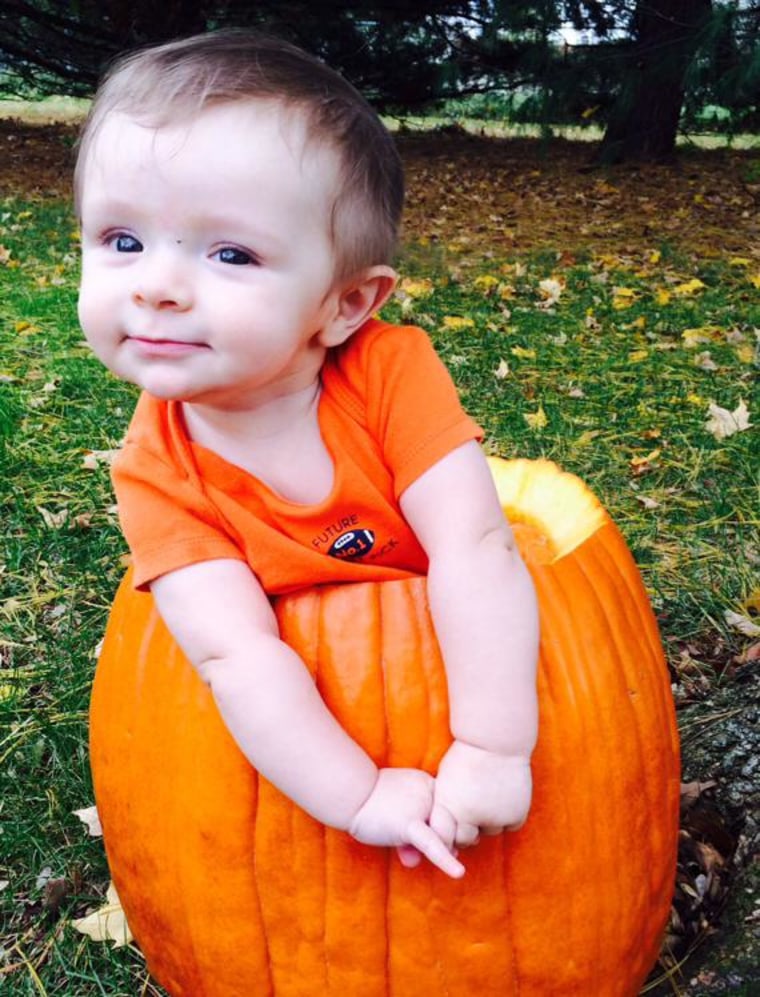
480, 791
396, 814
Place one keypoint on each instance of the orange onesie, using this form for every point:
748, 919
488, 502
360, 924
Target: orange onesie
388, 410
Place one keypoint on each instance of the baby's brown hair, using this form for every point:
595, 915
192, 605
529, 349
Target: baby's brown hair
169, 83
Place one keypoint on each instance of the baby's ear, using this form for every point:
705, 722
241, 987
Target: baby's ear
357, 300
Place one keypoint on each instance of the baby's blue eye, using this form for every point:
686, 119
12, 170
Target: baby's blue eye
236, 257
127, 244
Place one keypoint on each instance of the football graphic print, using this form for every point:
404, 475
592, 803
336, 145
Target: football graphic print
352, 545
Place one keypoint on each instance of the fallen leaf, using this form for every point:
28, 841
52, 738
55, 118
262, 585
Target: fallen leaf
699, 335
53, 520
90, 818
455, 323
523, 353
689, 287
536, 420
502, 370
647, 502
44, 877
623, 297
705, 361
486, 283
722, 423
752, 602
640, 465
742, 623
108, 923
422, 288
691, 792
745, 353
551, 291
92, 459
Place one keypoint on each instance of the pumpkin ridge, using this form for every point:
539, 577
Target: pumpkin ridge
629, 898
653, 689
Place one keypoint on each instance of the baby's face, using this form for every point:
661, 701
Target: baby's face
207, 264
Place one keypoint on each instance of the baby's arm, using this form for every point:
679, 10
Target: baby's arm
221, 618
486, 619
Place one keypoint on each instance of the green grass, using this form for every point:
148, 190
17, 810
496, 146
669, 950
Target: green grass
614, 384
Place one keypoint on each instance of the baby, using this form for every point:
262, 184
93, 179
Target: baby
239, 206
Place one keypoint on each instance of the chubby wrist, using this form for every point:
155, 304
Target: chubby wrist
519, 756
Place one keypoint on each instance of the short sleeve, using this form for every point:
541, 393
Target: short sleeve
413, 404
165, 516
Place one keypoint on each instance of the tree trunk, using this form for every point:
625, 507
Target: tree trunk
644, 121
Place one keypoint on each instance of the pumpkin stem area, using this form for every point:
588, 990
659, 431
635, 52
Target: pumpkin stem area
552, 512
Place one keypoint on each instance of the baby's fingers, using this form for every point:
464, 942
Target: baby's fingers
424, 838
443, 822
467, 834
408, 856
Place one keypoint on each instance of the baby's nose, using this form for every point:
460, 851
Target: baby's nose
164, 285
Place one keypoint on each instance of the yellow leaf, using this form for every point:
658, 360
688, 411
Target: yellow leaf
694, 399
416, 288
739, 261
745, 353
623, 297
752, 602
641, 465
755, 280
485, 283
108, 923
523, 353
722, 423
639, 323
702, 334
690, 287
586, 437
655, 256
650, 458
608, 261
536, 420
455, 323
662, 297
636, 356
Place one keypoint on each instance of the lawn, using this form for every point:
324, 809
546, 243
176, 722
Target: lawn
608, 321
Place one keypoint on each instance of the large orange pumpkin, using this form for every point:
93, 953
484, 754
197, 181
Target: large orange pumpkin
233, 891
